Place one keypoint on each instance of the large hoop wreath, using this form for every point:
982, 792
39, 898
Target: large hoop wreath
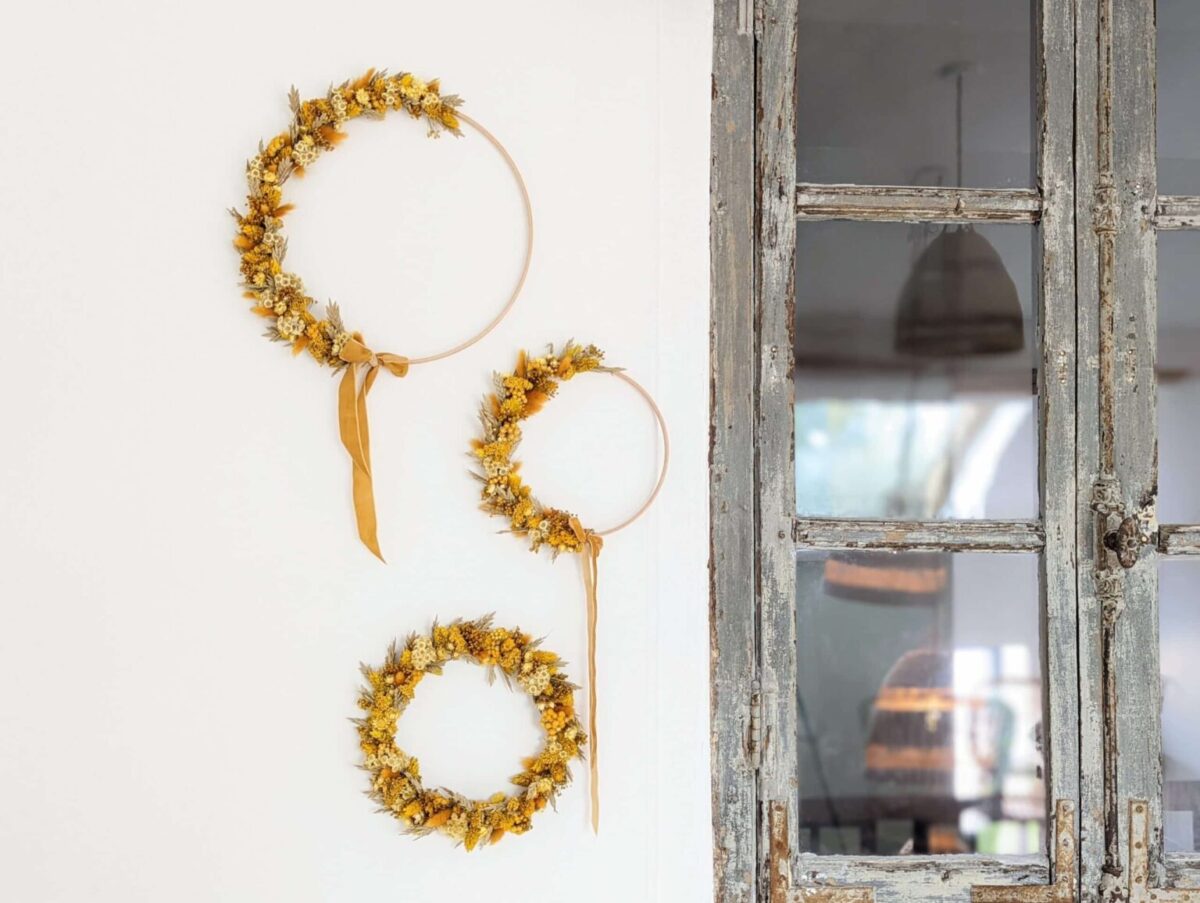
396, 776
279, 296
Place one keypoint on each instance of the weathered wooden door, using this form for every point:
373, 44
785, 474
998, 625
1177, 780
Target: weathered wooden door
1139, 472
936, 547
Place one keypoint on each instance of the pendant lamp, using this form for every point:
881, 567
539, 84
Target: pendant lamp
959, 300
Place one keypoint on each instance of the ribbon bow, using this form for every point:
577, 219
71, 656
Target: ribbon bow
355, 431
592, 543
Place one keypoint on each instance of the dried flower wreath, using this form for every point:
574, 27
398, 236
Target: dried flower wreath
396, 777
280, 296
518, 396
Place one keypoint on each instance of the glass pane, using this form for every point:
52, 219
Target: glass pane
878, 98
1178, 376
927, 738
915, 371
1178, 100
1179, 629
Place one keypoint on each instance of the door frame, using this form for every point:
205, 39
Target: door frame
1120, 214
755, 205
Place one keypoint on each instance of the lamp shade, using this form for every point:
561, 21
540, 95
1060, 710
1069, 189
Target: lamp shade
959, 301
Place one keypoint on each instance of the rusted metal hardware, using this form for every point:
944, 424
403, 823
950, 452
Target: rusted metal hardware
779, 870
1140, 890
1106, 209
779, 887
1126, 541
1063, 888
1120, 532
754, 733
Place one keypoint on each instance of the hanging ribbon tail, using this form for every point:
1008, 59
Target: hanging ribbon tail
355, 431
592, 544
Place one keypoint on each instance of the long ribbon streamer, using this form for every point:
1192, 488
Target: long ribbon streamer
355, 429
592, 544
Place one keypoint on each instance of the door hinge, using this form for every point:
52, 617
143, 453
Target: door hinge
1140, 890
745, 17
754, 734
779, 870
1062, 890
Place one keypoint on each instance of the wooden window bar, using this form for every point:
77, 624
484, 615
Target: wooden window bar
917, 204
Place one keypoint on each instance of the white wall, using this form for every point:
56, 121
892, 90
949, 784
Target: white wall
183, 602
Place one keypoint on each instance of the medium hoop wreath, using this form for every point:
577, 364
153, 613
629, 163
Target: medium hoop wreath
518, 396
279, 295
396, 776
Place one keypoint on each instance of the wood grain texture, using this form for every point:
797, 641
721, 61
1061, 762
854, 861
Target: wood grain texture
1054, 85
1091, 790
1177, 212
1132, 354
895, 535
776, 183
1179, 539
906, 879
732, 615
902, 204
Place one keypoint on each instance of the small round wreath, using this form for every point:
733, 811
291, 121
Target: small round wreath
518, 396
279, 295
396, 776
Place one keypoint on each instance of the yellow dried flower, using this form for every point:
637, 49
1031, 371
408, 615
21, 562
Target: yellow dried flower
314, 127
395, 779
519, 395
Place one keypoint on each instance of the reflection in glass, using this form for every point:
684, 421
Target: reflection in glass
915, 355
926, 738
1179, 631
877, 100
1178, 100
1178, 376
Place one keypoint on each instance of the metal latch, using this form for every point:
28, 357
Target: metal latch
1131, 532
1126, 541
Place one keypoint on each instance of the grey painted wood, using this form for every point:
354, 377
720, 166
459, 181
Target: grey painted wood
906, 879
1087, 415
933, 204
1055, 98
1179, 539
776, 171
732, 615
1131, 355
1177, 212
949, 536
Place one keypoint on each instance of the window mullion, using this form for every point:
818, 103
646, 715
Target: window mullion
916, 204
945, 536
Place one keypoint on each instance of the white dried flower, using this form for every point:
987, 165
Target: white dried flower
290, 327
305, 152
422, 653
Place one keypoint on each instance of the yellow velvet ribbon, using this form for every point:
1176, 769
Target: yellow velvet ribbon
355, 431
592, 543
